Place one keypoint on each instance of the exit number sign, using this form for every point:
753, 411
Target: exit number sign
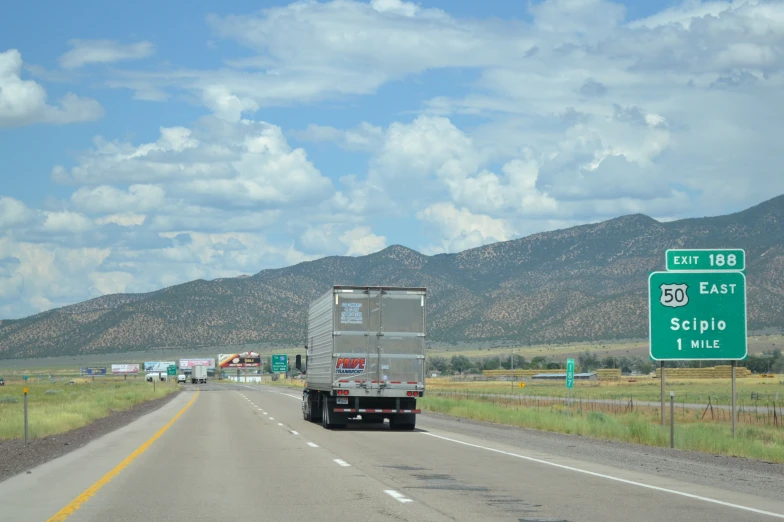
729, 260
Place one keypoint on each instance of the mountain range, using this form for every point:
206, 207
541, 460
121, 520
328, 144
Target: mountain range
585, 283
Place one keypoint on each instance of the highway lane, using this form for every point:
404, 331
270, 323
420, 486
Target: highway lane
244, 453
221, 460
472, 476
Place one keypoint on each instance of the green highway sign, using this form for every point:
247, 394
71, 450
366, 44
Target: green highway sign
280, 363
570, 373
697, 315
171, 370
721, 259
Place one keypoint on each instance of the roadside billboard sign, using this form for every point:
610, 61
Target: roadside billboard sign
121, 369
186, 364
239, 360
158, 366
94, 371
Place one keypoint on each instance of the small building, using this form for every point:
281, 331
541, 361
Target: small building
562, 376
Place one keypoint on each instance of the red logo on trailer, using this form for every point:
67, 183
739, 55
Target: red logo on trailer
350, 365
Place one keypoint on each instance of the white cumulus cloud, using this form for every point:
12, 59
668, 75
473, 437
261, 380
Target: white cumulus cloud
23, 102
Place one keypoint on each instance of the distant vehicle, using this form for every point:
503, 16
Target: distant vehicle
198, 374
2, 381
151, 377
365, 356
180, 378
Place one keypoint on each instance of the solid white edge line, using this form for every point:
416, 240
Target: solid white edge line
397, 496
341, 462
616, 479
312, 445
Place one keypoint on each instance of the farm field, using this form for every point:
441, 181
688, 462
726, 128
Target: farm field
59, 407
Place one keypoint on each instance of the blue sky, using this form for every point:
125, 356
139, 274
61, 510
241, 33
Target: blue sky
151, 143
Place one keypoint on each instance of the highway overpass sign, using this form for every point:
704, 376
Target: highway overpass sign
280, 363
724, 260
697, 315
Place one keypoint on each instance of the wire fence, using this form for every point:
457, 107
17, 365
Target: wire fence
760, 411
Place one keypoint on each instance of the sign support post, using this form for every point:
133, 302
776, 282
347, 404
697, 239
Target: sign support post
25, 414
661, 378
672, 419
734, 413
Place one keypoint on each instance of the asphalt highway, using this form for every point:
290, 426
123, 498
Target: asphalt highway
243, 452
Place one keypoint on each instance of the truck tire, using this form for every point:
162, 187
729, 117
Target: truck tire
403, 422
326, 420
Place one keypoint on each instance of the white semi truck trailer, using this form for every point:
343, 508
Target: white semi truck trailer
198, 374
365, 356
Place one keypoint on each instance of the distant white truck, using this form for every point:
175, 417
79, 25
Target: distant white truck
198, 374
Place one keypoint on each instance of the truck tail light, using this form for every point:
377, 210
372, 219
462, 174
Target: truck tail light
416, 394
410, 394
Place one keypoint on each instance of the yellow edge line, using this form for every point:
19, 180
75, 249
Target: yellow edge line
76, 503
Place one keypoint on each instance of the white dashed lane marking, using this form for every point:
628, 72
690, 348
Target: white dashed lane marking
398, 496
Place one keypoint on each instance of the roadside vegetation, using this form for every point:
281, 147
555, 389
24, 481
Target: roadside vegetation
752, 391
59, 407
640, 426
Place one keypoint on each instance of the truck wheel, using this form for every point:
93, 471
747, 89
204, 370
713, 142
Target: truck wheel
326, 422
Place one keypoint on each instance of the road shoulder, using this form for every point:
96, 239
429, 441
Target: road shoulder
748, 476
17, 457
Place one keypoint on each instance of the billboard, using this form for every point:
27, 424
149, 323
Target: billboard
94, 371
119, 369
239, 360
158, 366
186, 364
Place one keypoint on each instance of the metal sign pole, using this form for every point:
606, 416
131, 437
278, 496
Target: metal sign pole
734, 415
661, 377
25, 414
672, 419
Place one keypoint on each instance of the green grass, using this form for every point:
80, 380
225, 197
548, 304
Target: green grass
59, 407
645, 389
755, 442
